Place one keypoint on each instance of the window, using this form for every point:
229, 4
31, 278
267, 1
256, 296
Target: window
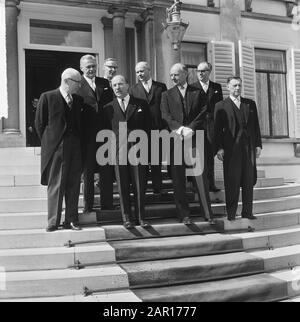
271, 92
59, 33
192, 55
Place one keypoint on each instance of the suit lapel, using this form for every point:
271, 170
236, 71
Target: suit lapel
142, 91
211, 91
62, 104
189, 99
246, 109
130, 109
118, 110
150, 94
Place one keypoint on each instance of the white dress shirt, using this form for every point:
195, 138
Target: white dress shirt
182, 89
236, 101
147, 85
91, 82
205, 86
125, 100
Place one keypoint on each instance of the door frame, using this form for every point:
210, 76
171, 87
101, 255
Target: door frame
61, 13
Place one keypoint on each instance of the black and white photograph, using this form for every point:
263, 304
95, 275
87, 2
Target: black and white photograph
149, 154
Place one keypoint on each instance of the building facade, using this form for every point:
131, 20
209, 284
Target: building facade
256, 39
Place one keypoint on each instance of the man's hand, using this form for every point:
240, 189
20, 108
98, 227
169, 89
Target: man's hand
187, 132
220, 155
258, 151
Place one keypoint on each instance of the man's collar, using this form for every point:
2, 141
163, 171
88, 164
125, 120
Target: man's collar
90, 80
182, 87
203, 83
63, 92
235, 98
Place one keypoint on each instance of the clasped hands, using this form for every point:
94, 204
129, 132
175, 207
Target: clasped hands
185, 132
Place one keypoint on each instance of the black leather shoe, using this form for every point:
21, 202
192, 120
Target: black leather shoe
231, 218
49, 229
71, 226
187, 221
128, 225
250, 217
144, 224
214, 189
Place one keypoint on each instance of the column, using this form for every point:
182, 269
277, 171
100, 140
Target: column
165, 55
119, 37
108, 35
11, 124
149, 37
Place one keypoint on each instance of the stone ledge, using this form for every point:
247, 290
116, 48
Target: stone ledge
11, 140
266, 17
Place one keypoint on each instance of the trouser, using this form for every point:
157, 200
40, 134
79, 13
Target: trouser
106, 180
239, 169
210, 161
64, 181
179, 183
137, 175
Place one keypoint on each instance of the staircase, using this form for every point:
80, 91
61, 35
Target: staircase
229, 261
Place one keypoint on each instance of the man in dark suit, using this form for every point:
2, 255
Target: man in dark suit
110, 68
96, 92
149, 90
58, 124
134, 113
238, 144
180, 109
211, 93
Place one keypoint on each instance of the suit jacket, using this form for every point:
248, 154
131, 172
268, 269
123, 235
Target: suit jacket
137, 118
173, 111
50, 123
153, 99
227, 126
210, 99
92, 118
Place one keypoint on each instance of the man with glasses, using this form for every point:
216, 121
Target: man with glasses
96, 92
58, 125
210, 94
110, 68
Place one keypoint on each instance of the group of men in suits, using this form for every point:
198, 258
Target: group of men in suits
69, 118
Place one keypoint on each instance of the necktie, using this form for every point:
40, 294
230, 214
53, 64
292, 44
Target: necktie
237, 102
123, 105
93, 86
205, 87
69, 100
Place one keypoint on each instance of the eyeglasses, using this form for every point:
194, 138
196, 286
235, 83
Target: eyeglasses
202, 71
76, 81
113, 67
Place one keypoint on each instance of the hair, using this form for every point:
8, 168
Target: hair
70, 73
230, 78
144, 63
86, 57
125, 79
209, 65
110, 59
181, 67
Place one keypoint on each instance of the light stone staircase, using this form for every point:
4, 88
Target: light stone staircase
229, 261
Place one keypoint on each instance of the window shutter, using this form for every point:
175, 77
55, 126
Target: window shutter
223, 61
247, 70
296, 58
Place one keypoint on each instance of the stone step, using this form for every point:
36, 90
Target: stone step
63, 282
20, 180
201, 244
208, 268
39, 238
19, 170
169, 210
26, 160
259, 288
13, 260
19, 152
111, 296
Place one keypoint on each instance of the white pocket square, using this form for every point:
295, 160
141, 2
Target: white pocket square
216, 92
140, 110
106, 88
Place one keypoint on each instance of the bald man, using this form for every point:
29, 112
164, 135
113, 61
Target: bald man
58, 125
181, 111
150, 91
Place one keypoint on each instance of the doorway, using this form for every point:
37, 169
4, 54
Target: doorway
43, 71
